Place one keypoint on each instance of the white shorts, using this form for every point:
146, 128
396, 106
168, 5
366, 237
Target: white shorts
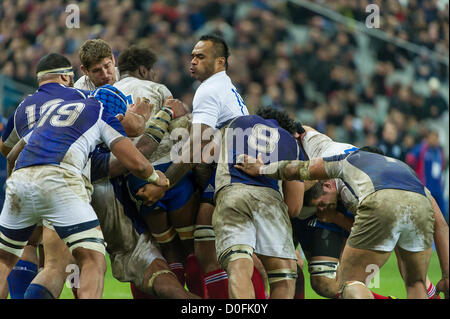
130, 253
254, 216
48, 194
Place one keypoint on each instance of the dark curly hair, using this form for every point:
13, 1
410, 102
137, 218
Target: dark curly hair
372, 149
282, 117
133, 57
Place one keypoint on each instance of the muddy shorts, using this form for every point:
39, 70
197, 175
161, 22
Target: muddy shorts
254, 216
389, 217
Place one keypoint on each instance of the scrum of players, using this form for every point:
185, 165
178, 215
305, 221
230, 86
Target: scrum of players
94, 167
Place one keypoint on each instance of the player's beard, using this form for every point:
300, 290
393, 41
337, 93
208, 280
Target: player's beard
209, 70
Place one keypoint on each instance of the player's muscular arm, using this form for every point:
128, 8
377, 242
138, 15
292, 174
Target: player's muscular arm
157, 126
124, 150
136, 117
4, 149
13, 155
196, 148
286, 170
293, 192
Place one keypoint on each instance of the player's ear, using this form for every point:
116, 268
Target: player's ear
221, 61
84, 70
143, 72
66, 79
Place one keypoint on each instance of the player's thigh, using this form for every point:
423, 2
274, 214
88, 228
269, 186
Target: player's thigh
57, 254
232, 223
204, 214
414, 264
185, 215
357, 264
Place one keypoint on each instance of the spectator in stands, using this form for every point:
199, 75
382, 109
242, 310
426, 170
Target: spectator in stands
428, 160
390, 141
435, 104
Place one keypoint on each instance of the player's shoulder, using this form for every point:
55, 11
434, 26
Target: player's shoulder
84, 83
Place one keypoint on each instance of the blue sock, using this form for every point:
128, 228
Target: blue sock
36, 291
20, 278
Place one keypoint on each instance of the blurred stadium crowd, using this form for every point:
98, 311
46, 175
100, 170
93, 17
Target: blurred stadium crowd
353, 87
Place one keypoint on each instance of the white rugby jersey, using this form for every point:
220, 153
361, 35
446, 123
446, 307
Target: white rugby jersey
85, 83
217, 101
133, 88
68, 133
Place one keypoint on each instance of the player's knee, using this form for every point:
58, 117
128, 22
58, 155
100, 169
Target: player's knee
354, 289
322, 276
166, 237
204, 233
282, 277
89, 240
233, 253
160, 287
324, 286
186, 233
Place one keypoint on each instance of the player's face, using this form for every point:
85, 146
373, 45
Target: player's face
327, 201
203, 61
103, 72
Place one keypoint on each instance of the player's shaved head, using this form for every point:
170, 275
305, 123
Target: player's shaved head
52, 61
220, 47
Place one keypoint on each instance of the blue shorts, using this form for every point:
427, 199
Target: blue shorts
317, 238
207, 195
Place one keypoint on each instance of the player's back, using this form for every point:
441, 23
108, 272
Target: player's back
365, 173
254, 135
32, 108
67, 133
317, 145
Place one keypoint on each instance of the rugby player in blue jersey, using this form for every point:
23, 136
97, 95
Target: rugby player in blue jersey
55, 79
55, 154
251, 215
393, 209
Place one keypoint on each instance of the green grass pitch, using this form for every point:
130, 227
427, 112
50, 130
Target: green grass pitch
389, 283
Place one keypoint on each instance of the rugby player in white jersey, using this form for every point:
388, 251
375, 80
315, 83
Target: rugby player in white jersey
126, 243
136, 80
97, 65
216, 102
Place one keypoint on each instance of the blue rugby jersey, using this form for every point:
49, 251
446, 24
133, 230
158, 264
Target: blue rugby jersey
251, 135
365, 173
33, 106
68, 133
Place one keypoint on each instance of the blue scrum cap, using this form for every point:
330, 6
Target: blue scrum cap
113, 100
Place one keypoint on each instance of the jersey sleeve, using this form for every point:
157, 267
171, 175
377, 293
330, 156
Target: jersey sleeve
10, 137
205, 110
111, 129
334, 165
